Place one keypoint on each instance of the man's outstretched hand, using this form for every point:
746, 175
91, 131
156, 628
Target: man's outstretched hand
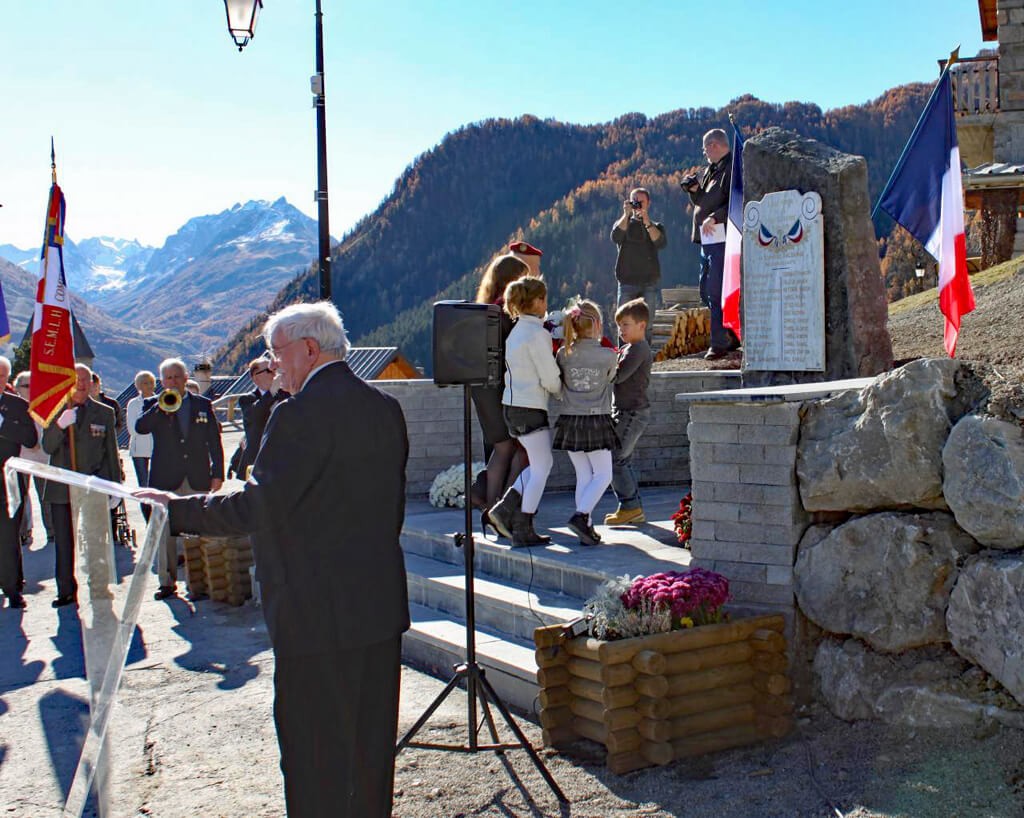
155, 495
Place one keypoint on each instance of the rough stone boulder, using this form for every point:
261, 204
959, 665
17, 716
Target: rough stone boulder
986, 617
857, 344
885, 578
983, 461
880, 447
925, 687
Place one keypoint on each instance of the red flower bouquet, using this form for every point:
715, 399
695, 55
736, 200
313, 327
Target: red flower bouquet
683, 519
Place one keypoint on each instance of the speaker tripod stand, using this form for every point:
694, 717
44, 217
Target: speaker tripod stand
478, 688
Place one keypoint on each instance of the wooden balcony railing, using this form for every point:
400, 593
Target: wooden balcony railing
975, 85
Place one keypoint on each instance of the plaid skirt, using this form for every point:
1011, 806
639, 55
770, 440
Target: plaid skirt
585, 433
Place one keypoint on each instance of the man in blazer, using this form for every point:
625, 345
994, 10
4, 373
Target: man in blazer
709, 195
16, 430
255, 406
87, 426
325, 508
187, 455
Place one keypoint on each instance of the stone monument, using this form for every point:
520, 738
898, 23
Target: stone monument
857, 342
784, 283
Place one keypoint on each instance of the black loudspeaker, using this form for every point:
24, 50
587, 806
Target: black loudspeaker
468, 345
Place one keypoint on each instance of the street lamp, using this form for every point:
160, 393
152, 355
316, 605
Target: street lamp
242, 16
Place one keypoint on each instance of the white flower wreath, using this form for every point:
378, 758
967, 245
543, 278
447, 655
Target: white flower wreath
448, 489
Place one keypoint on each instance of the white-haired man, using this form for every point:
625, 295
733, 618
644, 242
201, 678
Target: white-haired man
325, 506
709, 194
82, 439
188, 457
16, 430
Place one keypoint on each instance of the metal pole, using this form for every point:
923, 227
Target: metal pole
468, 555
324, 255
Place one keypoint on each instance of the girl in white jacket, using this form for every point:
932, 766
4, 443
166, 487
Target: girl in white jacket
531, 377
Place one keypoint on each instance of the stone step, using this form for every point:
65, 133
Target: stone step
518, 589
532, 567
436, 643
505, 607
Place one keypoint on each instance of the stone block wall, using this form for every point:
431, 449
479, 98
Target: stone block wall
1010, 21
747, 514
434, 419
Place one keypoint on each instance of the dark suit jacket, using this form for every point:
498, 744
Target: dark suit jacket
255, 413
95, 447
325, 509
711, 198
198, 456
16, 431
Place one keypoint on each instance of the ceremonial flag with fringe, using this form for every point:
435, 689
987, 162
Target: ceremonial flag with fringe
733, 241
925, 196
53, 352
5, 324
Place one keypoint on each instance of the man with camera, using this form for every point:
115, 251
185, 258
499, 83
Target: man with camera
639, 239
187, 454
709, 193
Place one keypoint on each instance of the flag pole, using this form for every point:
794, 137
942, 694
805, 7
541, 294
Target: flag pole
954, 56
53, 162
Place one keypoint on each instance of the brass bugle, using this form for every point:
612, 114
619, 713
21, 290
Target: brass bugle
169, 401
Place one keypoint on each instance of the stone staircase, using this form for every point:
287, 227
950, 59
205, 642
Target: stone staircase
518, 590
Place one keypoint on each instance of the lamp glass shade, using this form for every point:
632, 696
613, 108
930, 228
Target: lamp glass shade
242, 16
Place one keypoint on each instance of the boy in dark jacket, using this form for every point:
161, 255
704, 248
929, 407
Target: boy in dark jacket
631, 410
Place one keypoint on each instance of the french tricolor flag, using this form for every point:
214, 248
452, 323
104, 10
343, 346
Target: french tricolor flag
733, 240
925, 196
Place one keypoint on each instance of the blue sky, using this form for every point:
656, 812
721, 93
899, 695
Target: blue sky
158, 118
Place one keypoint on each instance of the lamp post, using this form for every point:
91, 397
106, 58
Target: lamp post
242, 16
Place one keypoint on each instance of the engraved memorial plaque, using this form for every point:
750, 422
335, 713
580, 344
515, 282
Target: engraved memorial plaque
784, 283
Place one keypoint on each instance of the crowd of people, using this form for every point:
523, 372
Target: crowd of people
604, 404
323, 499
174, 445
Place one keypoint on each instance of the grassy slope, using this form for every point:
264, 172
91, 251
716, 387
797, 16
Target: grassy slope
1001, 272
992, 333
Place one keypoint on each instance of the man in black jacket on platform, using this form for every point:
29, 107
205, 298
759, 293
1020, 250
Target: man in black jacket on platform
325, 507
188, 457
16, 430
709, 194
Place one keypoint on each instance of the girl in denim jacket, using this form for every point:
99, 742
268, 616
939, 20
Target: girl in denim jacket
585, 429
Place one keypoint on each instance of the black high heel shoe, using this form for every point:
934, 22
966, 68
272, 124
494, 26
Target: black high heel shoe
485, 523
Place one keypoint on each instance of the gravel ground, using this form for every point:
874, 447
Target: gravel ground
827, 768
193, 735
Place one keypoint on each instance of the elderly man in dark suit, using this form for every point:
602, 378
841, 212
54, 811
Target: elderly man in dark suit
187, 455
16, 430
255, 406
325, 507
82, 439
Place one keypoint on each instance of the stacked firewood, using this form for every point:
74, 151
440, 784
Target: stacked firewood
218, 567
653, 699
195, 573
690, 332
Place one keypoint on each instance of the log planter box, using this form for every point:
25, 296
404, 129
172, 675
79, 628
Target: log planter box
653, 699
218, 567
